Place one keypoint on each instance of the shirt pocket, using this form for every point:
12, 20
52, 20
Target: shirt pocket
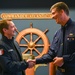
71, 43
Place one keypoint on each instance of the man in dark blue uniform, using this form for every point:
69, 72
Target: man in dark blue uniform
11, 62
62, 49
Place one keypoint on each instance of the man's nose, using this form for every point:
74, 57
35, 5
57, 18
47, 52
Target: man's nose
15, 28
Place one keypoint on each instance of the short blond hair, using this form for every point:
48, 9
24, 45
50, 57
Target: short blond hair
59, 6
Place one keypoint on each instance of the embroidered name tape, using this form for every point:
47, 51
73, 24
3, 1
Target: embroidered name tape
10, 50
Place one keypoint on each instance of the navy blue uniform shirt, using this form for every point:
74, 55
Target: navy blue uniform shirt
56, 48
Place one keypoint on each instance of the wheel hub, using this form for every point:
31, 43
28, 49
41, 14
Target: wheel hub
31, 45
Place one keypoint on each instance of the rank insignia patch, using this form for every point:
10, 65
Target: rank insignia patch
1, 51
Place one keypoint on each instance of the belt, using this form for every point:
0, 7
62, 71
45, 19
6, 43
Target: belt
66, 70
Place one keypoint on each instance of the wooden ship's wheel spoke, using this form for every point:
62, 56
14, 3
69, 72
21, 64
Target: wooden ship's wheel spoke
23, 45
31, 52
40, 36
37, 51
25, 51
31, 37
39, 45
23, 37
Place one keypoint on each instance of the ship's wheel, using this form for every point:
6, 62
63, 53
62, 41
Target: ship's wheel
37, 39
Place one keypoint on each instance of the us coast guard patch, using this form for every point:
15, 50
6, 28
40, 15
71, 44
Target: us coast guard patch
1, 51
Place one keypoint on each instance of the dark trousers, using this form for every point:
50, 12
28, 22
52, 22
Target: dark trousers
58, 72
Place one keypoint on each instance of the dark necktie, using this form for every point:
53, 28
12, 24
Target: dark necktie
63, 39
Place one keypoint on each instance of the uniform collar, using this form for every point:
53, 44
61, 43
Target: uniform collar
67, 24
5, 39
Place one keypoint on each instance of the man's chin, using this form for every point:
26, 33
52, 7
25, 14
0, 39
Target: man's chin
57, 22
14, 34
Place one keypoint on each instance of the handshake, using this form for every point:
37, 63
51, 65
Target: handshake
31, 62
30, 59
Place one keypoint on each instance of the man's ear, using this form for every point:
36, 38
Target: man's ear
4, 29
62, 11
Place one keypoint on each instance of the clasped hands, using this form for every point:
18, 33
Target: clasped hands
31, 63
